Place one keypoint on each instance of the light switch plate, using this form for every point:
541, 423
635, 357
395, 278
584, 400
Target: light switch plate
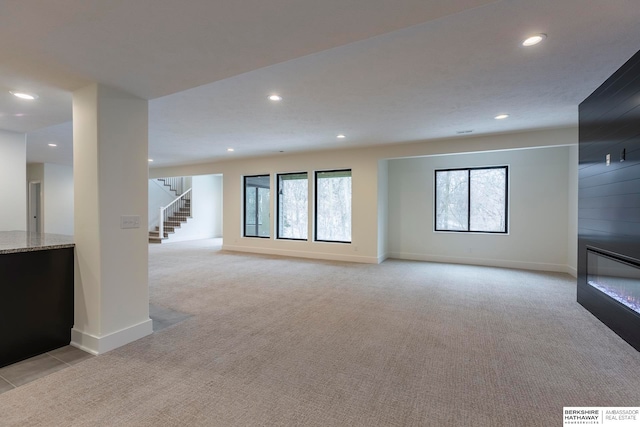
130, 221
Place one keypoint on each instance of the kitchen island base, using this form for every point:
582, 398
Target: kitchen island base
36, 302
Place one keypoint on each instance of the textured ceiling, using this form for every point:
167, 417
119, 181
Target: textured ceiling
378, 71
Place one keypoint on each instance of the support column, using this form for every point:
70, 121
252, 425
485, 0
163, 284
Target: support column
13, 172
110, 167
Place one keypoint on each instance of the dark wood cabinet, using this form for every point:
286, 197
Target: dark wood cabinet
36, 302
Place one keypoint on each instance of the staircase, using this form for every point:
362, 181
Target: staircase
176, 185
173, 215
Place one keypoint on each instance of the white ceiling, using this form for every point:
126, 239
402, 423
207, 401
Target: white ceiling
379, 71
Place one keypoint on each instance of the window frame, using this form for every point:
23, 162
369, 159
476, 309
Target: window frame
277, 206
468, 230
315, 205
244, 206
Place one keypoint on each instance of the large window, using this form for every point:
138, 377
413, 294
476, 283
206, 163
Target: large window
256, 206
293, 211
333, 206
472, 199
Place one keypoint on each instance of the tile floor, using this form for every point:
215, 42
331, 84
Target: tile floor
28, 370
23, 372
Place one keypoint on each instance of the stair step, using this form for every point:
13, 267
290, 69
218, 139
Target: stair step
181, 218
157, 234
167, 228
172, 224
155, 240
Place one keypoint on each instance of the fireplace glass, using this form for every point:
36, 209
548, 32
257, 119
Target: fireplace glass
618, 278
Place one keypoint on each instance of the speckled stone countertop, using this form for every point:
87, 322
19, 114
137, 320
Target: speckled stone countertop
22, 241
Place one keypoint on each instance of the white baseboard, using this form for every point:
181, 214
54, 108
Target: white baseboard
522, 265
99, 345
302, 254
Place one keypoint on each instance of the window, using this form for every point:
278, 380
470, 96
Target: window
293, 211
333, 206
256, 206
472, 199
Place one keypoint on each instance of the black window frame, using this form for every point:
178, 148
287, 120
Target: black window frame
244, 206
468, 230
277, 206
315, 207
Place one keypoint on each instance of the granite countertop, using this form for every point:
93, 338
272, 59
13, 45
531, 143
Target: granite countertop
22, 241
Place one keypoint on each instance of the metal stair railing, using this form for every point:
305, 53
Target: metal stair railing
176, 184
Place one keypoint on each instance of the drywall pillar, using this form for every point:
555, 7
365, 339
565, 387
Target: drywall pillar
13, 175
110, 168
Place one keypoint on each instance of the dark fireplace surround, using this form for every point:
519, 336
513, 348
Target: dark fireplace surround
612, 292
609, 203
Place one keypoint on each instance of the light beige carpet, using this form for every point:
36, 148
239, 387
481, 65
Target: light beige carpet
286, 342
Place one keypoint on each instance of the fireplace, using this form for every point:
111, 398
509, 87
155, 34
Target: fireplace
611, 292
616, 277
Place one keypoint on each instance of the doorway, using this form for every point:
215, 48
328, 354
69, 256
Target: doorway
35, 207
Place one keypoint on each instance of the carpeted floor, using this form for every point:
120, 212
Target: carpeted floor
287, 342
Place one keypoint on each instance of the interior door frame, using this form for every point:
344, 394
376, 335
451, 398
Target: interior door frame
30, 207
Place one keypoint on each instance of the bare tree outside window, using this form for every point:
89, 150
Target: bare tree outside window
293, 193
452, 201
333, 206
471, 199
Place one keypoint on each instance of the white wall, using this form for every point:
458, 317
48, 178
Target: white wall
35, 172
58, 199
218, 207
383, 210
369, 224
13, 175
56, 185
538, 211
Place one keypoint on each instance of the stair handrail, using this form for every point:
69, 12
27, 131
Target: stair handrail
176, 184
172, 208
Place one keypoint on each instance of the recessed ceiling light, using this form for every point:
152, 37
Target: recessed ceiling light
275, 97
501, 116
150, 160
53, 145
534, 40
23, 95
341, 136
230, 149
460, 132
